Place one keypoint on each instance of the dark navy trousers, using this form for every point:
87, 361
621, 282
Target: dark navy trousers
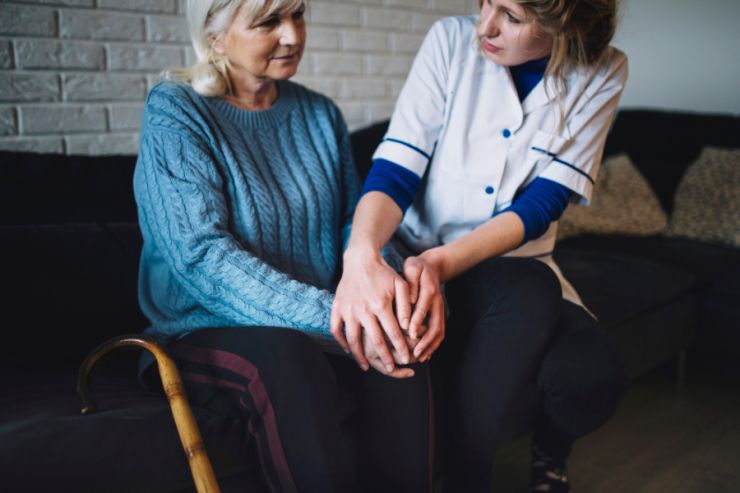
509, 328
318, 422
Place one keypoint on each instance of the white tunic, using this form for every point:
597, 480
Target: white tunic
460, 126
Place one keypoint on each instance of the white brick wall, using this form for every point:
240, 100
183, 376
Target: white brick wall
74, 73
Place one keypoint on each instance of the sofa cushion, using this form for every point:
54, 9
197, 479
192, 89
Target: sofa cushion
130, 444
623, 203
714, 266
54, 188
69, 288
662, 144
618, 287
707, 203
649, 307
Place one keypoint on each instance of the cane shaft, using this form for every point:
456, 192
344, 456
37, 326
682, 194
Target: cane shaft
187, 428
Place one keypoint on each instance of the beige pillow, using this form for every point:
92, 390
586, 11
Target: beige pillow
707, 202
622, 203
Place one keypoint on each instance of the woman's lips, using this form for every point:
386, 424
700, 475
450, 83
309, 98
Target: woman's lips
286, 58
490, 48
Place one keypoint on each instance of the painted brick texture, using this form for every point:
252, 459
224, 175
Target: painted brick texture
74, 73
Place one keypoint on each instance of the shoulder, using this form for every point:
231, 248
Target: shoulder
171, 93
453, 31
609, 73
456, 26
450, 42
306, 95
170, 102
318, 104
613, 63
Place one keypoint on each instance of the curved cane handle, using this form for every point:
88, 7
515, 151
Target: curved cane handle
187, 428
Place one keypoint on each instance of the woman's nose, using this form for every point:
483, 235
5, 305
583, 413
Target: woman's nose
488, 25
289, 33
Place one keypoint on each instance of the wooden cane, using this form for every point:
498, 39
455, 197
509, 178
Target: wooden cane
187, 428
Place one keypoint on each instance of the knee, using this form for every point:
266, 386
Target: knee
294, 368
510, 280
533, 279
529, 291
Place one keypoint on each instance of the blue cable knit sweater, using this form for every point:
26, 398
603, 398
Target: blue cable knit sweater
242, 212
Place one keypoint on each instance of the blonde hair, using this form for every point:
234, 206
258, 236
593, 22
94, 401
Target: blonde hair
208, 19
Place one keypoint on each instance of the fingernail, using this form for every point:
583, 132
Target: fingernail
389, 367
346, 351
405, 324
365, 367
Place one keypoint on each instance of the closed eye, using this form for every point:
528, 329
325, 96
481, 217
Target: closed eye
512, 19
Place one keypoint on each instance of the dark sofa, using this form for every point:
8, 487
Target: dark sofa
69, 242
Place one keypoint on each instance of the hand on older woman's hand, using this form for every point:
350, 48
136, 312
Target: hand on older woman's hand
428, 318
363, 310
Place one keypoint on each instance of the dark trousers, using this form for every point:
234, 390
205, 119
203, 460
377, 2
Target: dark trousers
320, 424
509, 328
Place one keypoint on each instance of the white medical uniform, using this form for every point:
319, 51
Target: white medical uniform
459, 125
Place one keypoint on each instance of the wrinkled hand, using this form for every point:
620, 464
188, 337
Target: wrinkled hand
428, 317
377, 364
364, 307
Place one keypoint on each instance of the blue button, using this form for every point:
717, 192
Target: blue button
506, 133
489, 190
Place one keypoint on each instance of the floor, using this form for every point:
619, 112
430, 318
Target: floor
663, 438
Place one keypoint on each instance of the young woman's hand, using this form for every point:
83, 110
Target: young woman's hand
364, 307
428, 319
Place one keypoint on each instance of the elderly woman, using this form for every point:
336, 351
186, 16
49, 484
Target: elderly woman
245, 185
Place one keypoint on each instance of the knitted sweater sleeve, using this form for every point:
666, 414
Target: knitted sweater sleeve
183, 211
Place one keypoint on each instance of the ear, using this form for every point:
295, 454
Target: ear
217, 44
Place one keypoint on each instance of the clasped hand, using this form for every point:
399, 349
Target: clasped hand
385, 320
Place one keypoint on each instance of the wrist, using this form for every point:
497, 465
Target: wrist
360, 252
437, 258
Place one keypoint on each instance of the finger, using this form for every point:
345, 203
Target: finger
336, 326
432, 349
422, 329
426, 295
376, 338
399, 373
411, 359
354, 339
393, 331
403, 303
412, 273
424, 344
435, 335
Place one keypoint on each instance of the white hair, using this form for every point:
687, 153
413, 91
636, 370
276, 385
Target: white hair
208, 19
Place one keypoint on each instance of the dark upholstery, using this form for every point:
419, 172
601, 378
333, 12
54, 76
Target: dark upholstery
70, 244
131, 444
663, 144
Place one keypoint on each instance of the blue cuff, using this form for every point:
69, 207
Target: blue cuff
394, 180
540, 203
